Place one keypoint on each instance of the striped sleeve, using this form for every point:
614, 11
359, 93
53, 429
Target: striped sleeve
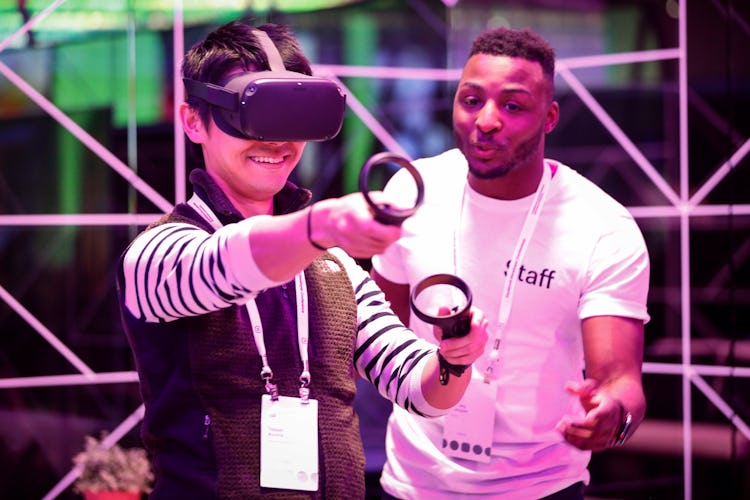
387, 353
176, 270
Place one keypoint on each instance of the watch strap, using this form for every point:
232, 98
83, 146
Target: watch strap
626, 427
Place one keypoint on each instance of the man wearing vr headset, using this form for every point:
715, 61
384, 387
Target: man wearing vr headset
560, 269
247, 326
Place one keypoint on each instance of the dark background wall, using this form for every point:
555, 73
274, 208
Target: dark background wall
114, 80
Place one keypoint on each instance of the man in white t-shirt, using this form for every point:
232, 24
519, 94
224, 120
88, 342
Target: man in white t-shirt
561, 271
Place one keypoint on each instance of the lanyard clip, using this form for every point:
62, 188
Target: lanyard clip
267, 375
304, 389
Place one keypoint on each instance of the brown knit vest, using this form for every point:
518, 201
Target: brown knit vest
226, 371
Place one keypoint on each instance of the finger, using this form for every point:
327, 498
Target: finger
444, 311
461, 356
592, 418
464, 350
581, 437
362, 240
437, 332
580, 432
478, 317
595, 432
586, 387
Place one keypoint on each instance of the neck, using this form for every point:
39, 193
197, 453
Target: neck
250, 208
245, 204
516, 184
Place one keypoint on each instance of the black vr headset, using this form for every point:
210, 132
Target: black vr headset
275, 105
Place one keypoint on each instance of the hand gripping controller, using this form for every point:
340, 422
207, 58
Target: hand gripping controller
455, 324
385, 213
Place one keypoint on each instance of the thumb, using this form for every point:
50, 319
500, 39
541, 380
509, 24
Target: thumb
582, 389
436, 330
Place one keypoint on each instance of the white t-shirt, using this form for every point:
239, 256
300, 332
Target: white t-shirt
586, 258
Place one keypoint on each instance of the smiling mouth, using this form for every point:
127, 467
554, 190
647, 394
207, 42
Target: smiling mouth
268, 159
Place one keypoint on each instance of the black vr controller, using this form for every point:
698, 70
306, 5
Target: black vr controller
455, 324
384, 212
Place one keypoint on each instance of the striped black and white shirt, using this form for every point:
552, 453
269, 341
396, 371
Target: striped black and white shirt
177, 270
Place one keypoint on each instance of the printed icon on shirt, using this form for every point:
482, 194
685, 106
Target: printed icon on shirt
466, 448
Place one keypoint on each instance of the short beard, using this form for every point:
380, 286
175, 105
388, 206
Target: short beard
525, 151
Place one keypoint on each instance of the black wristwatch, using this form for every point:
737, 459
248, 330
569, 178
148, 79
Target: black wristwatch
626, 427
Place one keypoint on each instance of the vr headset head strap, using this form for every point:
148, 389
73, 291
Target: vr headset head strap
212, 94
224, 97
274, 58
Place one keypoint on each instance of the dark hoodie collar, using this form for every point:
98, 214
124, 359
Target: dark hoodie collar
290, 199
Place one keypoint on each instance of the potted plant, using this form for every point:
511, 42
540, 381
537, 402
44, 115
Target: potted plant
112, 473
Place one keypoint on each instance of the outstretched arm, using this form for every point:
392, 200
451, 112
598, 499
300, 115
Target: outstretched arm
613, 350
283, 245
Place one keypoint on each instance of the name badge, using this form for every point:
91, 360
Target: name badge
468, 428
289, 443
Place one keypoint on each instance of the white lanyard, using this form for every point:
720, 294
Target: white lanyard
509, 288
303, 328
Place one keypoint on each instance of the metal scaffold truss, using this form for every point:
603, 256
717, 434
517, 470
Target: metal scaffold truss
681, 206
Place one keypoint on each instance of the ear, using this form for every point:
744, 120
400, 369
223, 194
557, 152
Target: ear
553, 115
192, 124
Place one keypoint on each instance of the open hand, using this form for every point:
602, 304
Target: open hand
601, 422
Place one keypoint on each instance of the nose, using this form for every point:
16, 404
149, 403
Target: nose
488, 118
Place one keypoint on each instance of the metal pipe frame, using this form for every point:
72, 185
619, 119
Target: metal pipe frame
682, 206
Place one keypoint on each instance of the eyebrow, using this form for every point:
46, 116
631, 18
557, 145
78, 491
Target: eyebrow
512, 90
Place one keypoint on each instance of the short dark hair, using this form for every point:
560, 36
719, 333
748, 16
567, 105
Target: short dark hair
522, 43
233, 46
